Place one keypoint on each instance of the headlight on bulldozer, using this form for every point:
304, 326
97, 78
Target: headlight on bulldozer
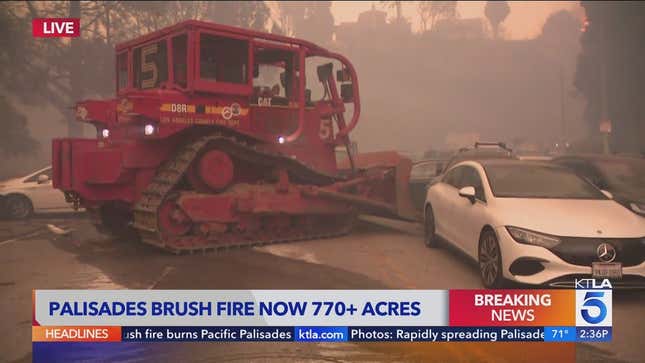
149, 129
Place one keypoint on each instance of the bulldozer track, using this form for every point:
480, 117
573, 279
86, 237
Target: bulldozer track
150, 238
170, 174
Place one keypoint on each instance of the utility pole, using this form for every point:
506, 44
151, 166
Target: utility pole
604, 112
563, 121
74, 128
398, 11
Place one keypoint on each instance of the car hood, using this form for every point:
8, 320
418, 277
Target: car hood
570, 217
10, 183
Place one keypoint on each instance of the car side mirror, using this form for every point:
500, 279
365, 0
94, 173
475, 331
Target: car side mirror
607, 194
42, 178
468, 192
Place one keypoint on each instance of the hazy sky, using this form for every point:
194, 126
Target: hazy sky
524, 21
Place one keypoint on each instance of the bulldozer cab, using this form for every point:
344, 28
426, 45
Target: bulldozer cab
265, 73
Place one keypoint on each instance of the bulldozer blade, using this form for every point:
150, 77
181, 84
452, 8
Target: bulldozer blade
396, 185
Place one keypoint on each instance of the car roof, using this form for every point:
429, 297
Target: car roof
599, 157
480, 154
495, 162
485, 151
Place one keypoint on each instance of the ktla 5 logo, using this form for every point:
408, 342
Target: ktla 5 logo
56, 27
593, 307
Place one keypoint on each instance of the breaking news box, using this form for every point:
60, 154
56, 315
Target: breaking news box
65, 321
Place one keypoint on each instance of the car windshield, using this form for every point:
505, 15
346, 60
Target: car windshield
624, 174
538, 181
424, 169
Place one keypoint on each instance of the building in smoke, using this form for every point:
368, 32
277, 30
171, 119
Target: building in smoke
371, 30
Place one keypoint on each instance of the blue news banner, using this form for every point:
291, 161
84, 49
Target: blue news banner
364, 334
308, 316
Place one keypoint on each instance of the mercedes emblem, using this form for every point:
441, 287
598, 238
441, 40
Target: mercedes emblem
606, 252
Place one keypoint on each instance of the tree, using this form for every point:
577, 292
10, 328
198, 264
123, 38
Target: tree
20, 77
431, 11
310, 20
561, 26
292, 16
15, 137
148, 16
396, 5
245, 14
320, 22
62, 71
610, 74
496, 12
560, 44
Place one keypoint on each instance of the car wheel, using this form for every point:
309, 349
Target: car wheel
490, 261
430, 237
18, 206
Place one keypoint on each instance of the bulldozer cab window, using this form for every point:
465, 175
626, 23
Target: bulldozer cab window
150, 65
267, 83
273, 76
223, 59
180, 60
122, 70
314, 85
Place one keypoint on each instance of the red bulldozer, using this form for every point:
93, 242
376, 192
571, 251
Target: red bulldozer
222, 137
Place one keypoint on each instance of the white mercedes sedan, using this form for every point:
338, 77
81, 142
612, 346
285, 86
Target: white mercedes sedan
534, 223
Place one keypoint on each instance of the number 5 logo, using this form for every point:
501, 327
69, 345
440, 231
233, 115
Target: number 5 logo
149, 66
592, 299
326, 129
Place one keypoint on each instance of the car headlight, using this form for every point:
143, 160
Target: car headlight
638, 207
532, 238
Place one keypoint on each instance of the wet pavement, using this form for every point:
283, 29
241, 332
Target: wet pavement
379, 254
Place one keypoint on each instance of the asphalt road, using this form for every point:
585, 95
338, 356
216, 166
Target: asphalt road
379, 254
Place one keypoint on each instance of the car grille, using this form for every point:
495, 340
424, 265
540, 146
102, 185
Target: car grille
582, 251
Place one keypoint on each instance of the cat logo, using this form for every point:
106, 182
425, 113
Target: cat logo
264, 101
